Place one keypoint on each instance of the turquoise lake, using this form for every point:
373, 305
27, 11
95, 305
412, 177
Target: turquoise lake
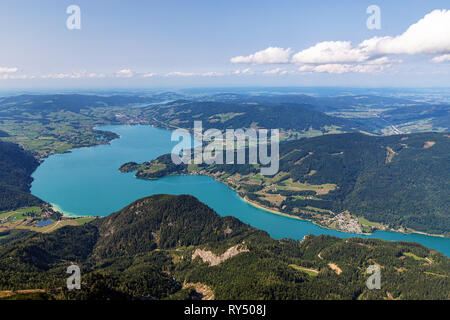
86, 182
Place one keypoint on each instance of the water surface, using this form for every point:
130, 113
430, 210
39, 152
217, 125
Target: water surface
86, 181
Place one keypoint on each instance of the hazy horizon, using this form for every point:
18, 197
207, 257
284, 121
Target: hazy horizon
175, 44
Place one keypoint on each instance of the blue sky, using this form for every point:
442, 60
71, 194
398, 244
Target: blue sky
138, 43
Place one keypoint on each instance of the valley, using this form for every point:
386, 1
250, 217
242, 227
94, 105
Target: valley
340, 184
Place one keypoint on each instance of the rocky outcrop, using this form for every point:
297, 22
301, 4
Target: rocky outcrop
214, 260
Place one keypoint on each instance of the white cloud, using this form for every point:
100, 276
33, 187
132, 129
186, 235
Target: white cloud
124, 73
330, 52
270, 55
8, 76
192, 74
149, 75
56, 76
96, 75
85, 74
370, 66
74, 75
8, 70
180, 74
440, 59
242, 72
430, 35
212, 74
276, 71
336, 68
381, 61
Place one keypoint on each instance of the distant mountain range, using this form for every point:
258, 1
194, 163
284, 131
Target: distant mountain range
293, 112
219, 115
68, 102
323, 104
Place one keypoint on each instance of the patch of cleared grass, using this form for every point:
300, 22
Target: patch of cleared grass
311, 272
82, 221
417, 258
364, 222
298, 186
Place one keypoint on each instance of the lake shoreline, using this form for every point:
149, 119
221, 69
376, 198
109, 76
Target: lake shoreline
55, 180
290, 216
274, 211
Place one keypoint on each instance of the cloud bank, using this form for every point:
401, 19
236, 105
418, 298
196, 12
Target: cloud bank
429, 36
8, 70
270, 55
440, 59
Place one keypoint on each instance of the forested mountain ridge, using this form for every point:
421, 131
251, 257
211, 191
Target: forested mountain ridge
69, 102
292, 120
399, 181
160, 247
437, 114
16, 167
48, 124
324, 104
378, 114
55, 123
